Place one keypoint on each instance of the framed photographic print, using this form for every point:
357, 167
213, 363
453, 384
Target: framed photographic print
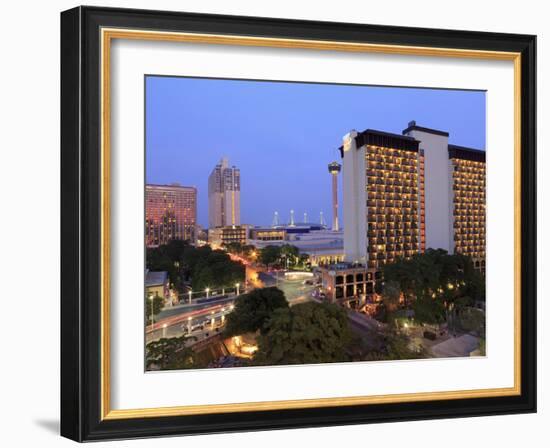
276, 224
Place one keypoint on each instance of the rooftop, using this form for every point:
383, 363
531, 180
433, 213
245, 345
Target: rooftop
384, 139
413, 127
462, 152
171, 186
155, 278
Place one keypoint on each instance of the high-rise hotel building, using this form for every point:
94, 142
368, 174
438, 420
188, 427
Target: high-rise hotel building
404, 194
224, 196
468, 202
454, 194
383, 197
170, 214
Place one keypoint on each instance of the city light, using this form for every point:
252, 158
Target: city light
350, 271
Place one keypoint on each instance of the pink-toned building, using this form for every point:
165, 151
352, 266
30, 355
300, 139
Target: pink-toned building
170, 214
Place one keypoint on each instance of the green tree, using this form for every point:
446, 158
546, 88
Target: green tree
303, 261
215, 269
428, 310
289, 255
252, 310
472, 319
306, 333
234, 248
395, 347
248, 249
153, 305
269, 255
169, 258
449, 280
391, 294
169, 354
204, 267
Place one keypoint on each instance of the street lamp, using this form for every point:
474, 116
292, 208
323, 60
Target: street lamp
207, 292
237, 285
190, 296
189, 324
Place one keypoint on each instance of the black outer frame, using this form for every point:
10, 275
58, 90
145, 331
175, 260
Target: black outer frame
80, 224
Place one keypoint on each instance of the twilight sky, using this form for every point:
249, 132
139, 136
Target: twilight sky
283, 135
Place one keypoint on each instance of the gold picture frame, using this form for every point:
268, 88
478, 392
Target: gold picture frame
108, 30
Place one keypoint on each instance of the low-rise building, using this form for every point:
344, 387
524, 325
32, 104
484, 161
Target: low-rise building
348, 284
157, 284
220, 236
267, 234
323, 246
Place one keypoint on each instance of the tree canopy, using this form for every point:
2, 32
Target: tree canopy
270, 255
252, 310
168, 258
428, 310
202, 265
153, 306
472, 320
306, 333
391, 294
214, 269
244, 250
169, 354
396, 346
435, 281
286, 255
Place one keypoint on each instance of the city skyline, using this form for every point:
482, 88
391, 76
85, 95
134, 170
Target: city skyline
177, 130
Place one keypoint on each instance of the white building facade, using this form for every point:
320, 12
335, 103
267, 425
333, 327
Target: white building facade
405, 193
438, 186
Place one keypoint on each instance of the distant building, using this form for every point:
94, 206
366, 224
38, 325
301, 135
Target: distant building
224, 196
322, 245
170, 214
202, 235
267, 234
227, 235
334, 168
